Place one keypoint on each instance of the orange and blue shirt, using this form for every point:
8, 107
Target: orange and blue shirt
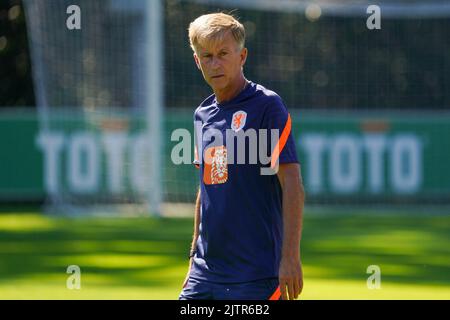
241, 222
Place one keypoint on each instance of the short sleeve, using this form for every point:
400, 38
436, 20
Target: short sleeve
277, 117
196, 161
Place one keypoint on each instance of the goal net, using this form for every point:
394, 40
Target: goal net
97, 75
111, 93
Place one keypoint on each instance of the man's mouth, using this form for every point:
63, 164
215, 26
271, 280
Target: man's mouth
218, 76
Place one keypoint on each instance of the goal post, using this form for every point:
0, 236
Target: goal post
100, 81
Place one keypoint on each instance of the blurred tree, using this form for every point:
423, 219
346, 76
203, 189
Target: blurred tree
332, 62
16, 87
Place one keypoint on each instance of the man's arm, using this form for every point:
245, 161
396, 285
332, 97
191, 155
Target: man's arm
196, 232
196, 221
290, 273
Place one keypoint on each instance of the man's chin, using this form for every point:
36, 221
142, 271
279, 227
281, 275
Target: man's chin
217, 84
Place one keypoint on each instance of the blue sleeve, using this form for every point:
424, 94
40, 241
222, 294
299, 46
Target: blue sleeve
196, 161
277, 117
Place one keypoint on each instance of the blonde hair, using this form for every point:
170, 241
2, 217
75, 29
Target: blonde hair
213, 27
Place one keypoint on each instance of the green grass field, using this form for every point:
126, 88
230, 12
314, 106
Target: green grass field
145, 258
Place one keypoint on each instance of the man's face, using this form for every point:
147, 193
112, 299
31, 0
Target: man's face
221, 62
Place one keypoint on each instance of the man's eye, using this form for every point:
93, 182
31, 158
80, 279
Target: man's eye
223, 53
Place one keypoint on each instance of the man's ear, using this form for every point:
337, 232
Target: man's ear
197, 62
244, 53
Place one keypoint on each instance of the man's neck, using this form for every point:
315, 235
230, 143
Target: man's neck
229, 93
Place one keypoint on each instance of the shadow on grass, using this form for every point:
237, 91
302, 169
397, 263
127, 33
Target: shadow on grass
408, 250
146, 252
132, 252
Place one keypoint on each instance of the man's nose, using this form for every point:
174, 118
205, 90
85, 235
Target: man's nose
215, 63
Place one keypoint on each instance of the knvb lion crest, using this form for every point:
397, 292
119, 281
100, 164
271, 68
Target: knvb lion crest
238, 120
216, 168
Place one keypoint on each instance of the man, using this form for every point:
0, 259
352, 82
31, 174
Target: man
247, 225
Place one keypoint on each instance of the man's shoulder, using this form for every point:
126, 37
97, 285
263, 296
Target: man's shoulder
272, 104
268, 96
204, 105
